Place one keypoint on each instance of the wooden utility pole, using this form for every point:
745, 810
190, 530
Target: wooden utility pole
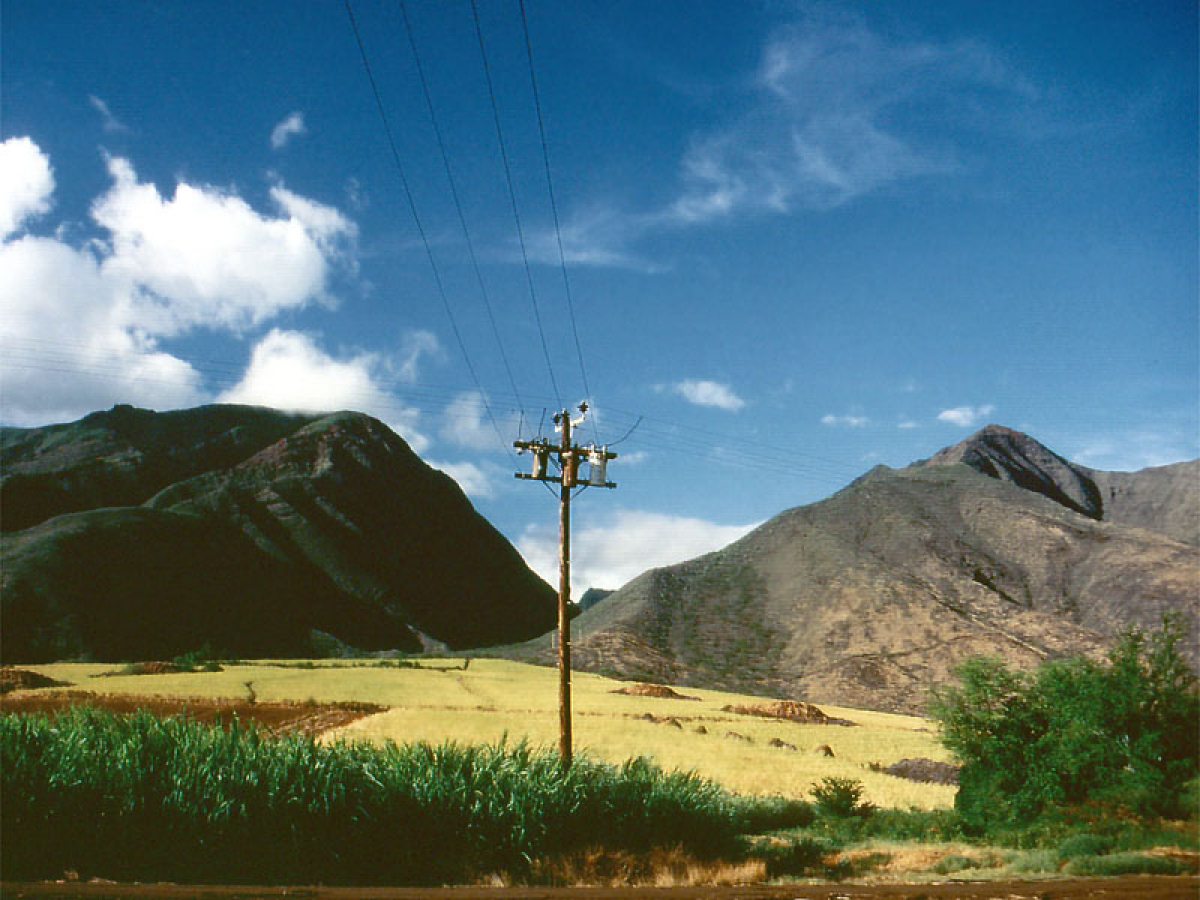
569, 456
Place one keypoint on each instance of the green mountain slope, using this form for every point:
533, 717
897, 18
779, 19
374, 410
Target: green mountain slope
247, 529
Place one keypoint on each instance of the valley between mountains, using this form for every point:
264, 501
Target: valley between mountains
135, 535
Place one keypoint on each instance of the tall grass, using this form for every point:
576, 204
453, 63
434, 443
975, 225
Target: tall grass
145, 798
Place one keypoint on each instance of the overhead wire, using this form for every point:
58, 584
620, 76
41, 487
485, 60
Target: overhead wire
487, 71
562, 256
462, 219
412, 205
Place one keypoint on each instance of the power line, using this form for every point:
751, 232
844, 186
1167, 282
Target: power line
562, 256
487, 71
412, 206
462, 220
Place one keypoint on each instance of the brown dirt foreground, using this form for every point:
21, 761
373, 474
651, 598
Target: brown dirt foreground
1132, 887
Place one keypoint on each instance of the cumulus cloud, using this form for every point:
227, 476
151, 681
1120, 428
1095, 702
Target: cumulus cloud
706, 393
26, 183
848, 421
476, 482
965, 416
206, 258
68, 346
290, 127
629, 543
289, 371
81, 326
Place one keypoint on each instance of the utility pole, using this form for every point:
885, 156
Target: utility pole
569, 457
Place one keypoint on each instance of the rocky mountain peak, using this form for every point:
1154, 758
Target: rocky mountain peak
1013, 456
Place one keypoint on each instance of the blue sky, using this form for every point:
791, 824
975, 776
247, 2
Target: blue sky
801, 239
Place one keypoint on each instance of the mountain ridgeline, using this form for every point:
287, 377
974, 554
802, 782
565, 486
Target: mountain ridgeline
869, 598
132, 534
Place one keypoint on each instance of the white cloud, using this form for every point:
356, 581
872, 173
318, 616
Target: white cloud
112, 124
907, 424
629, 543
472, 478
417, 345
68, 347
848, 420
832, 119
464, 422
965, 416
287, 370
289, 128
834, 112
206, 258
707, 393
26, 183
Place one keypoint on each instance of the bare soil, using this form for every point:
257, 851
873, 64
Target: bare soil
791, 710
660, 691
279, 718
1131, 887
14, 679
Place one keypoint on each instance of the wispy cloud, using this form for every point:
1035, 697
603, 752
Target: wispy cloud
701, 392
289, 128
842, 111
965, 416
835, 111
112, 124
848, 421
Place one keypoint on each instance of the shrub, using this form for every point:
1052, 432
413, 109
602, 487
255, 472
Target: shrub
948, 865
1084, 844
1125, 733
1034, 861
840, 798
1125, 864
798, 856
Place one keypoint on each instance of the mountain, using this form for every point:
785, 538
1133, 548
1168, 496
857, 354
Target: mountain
132, 534
871, 597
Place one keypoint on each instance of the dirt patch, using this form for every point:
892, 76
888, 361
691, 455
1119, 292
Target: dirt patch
278, 718
924, 770
660, 691
791, 710
13, 679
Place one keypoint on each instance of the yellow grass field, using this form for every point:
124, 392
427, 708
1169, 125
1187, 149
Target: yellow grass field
496, 699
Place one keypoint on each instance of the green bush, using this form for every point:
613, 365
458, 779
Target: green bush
1085, 844
1125, 733
139, 798
948, 865
798, 856
1034, 861
840, 798
1125, 864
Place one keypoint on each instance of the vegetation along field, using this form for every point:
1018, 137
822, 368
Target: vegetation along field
443, 770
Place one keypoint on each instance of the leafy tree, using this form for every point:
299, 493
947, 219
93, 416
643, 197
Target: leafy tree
1126, 733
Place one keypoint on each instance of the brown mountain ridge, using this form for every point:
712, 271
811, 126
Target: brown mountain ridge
133, 534
869, 598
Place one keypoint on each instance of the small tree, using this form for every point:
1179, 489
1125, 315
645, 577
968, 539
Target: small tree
1126, 732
